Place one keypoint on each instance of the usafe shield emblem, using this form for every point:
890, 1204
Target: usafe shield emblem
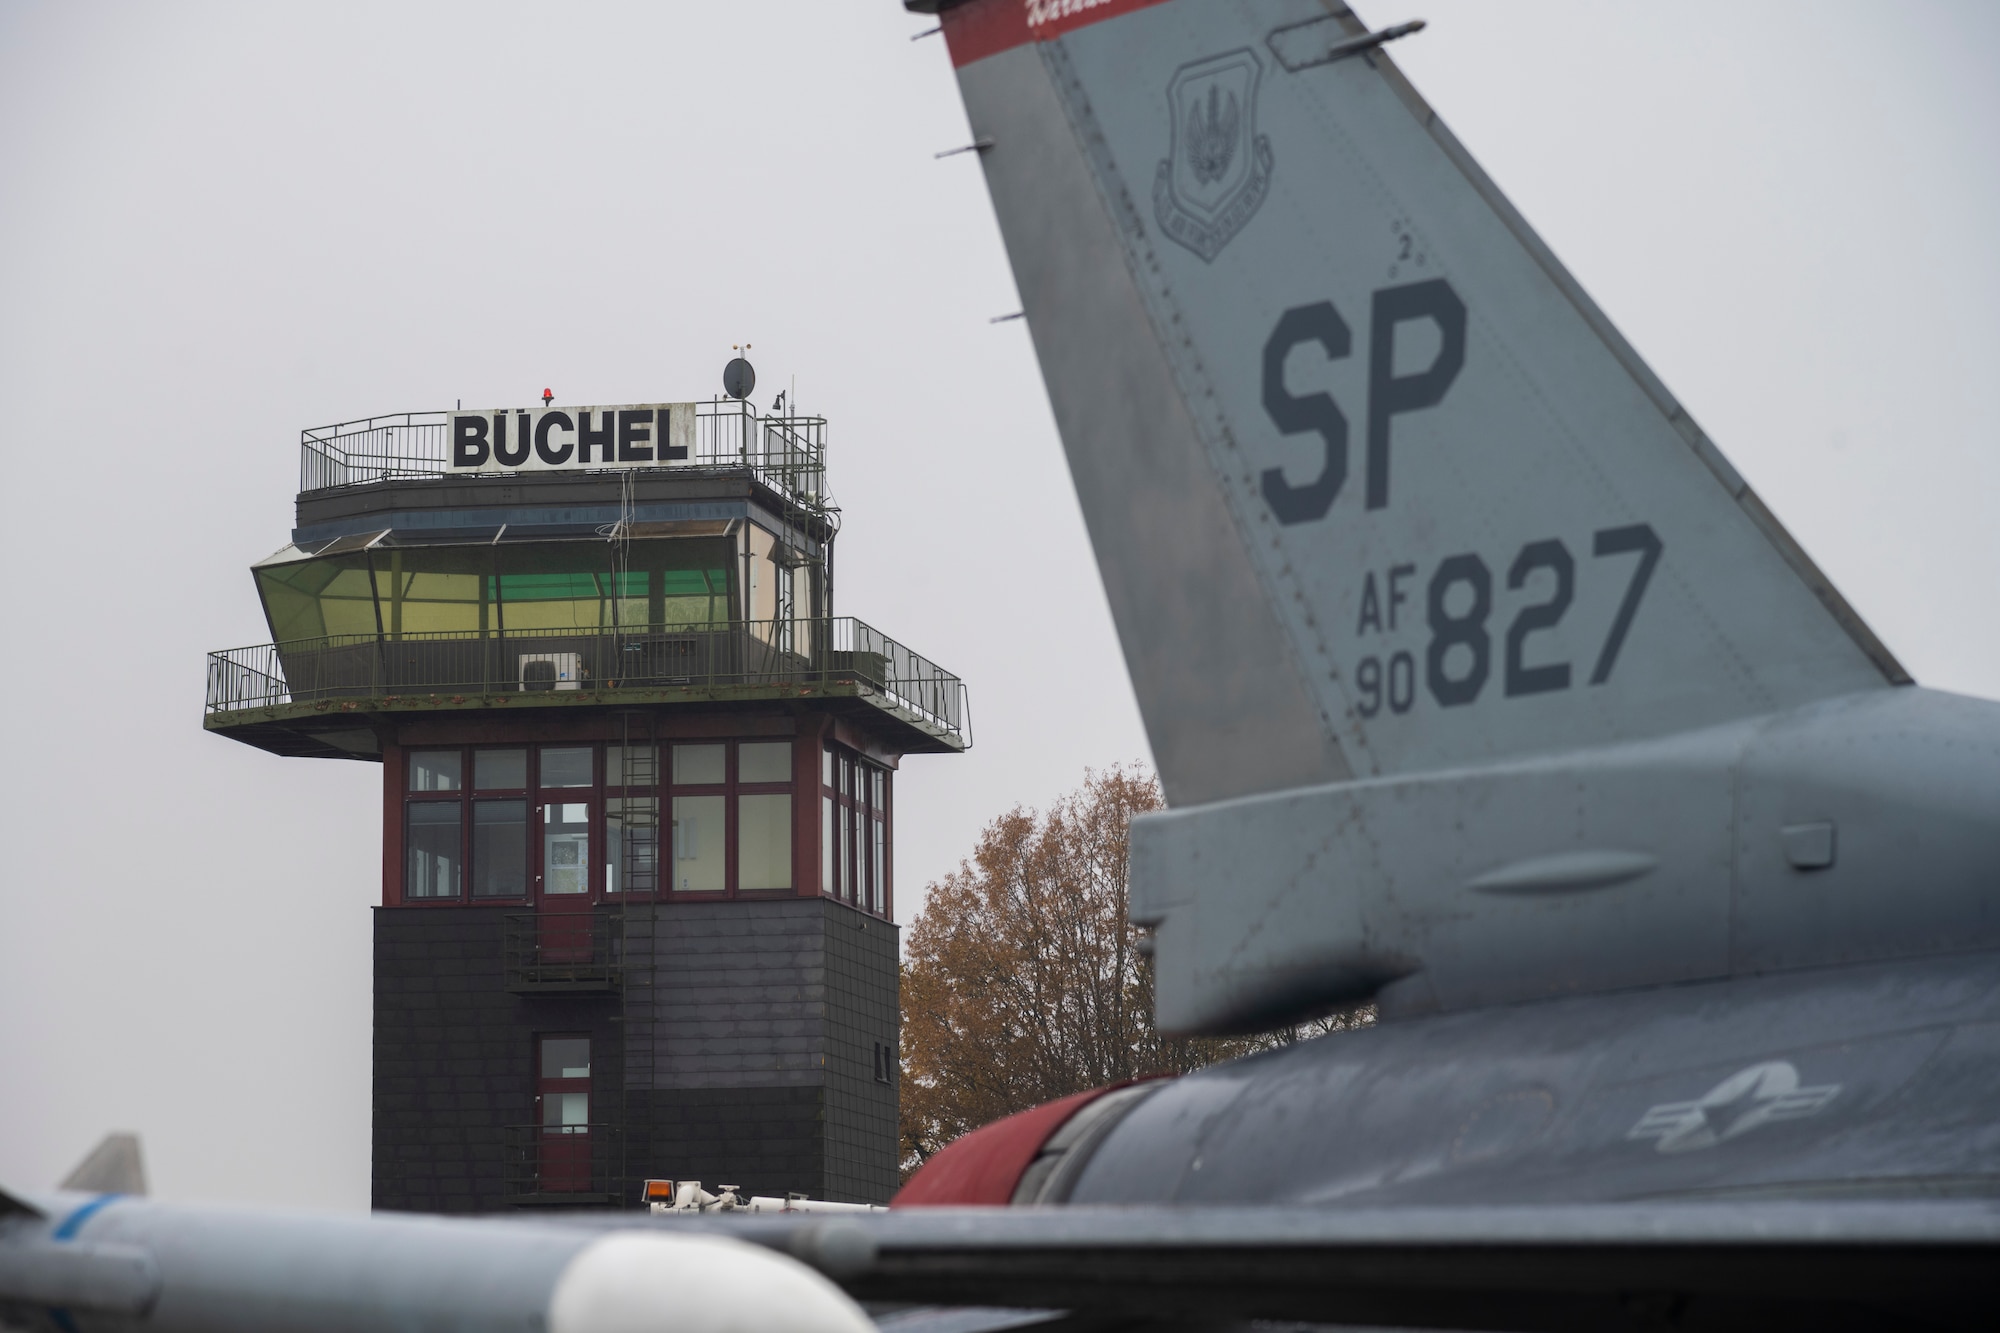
1218, 168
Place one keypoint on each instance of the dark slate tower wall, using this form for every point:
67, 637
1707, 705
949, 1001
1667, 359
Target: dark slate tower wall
753, 1038
453, 1052
861, 984
766, 1014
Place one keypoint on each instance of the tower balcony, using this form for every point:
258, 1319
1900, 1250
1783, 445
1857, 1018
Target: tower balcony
323, 696
563, 953
575, 1165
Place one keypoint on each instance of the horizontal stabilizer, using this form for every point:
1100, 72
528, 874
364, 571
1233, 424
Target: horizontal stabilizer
1850, 829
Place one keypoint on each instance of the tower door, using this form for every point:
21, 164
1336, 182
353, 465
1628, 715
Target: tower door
565, 871
562, 1095
563, 896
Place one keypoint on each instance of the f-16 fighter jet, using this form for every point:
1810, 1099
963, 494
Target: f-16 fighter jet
1483, 689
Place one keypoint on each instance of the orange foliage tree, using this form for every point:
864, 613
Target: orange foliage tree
1024, 981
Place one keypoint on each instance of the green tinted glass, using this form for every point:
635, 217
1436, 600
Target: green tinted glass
312, 598
478, 590
555, 585
433, 591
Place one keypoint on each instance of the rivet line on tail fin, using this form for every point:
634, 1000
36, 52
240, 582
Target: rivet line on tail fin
1347, 741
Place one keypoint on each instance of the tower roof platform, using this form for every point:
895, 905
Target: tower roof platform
536, 562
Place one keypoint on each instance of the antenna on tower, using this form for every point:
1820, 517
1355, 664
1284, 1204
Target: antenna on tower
739, 377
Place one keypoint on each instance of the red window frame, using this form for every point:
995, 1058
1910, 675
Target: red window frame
562, 1149
536, 797
467, 796
738, 789
856, 851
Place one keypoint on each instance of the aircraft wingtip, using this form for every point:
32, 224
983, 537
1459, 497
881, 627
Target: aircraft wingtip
10, 1204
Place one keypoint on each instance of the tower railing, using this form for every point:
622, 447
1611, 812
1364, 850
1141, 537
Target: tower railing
453, 667
578, 953
786, 453
579, 1166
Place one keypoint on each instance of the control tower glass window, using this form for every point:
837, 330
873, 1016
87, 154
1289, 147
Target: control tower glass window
484, 823
701, 799
426, 592
700, 834
764, 815
432, 834
554, 586
829, 827
435, 770
878, 851
530, 589
499, 849
312, 599
565, 847
500, 770
482, 843
854, 830
699, 765
566, 766
699, 844
665, 585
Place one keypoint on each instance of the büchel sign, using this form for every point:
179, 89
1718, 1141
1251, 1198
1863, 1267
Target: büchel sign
571, 438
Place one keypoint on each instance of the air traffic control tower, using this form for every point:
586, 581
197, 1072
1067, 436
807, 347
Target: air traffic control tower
638, 789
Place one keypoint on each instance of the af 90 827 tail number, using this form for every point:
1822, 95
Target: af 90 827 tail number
1457, 658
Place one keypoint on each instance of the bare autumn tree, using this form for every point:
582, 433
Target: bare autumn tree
1024, 981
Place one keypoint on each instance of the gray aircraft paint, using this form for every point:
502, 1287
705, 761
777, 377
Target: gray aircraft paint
1578, 714
1562, 887
1551, 430
1856, 828
1226, 703
1570, 1100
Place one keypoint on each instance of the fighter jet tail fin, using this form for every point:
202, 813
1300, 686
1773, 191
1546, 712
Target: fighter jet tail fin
1374, 487
114, 1166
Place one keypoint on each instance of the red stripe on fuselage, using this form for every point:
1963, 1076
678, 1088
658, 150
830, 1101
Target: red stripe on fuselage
988, 27
984, 1166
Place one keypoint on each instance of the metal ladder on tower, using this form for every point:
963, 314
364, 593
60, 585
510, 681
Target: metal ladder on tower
639, 855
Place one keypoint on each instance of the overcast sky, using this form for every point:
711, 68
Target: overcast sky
221, 224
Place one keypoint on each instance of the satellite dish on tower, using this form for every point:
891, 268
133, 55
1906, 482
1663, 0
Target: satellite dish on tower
738, 378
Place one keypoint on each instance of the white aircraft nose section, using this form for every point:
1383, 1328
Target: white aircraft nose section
630, 1282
